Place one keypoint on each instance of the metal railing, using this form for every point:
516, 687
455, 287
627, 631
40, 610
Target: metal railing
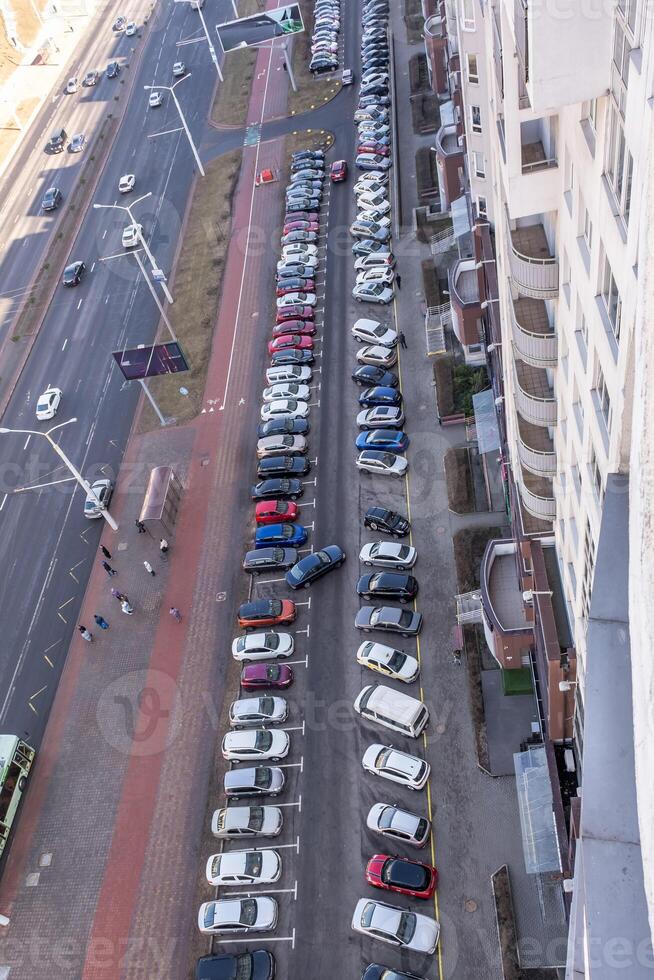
530, 168
538, 461
442, 241
537, 349
541, 507
534, 408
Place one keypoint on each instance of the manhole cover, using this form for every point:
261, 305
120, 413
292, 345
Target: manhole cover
45, 860
470, 905
122, 546
440, 728
32, 879
204, 461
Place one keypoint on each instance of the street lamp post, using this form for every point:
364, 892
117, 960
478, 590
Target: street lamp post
151, 259
212, 50
86, 486
171, 89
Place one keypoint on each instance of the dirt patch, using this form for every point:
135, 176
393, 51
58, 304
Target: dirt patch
418, 73
444, 382
430, 284
311, 92
197, 287
469, 546
26, 25
230, 107
426, 118
426, 175
506, 924
458, 478
413, 21
473, 642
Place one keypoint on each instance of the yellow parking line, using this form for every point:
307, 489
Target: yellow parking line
430, 811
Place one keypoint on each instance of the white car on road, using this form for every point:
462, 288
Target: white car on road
398, 767
248, 712
72, 85
397, 926
179, 69
388, 554
389, 820
262, 646
132, 235
385, 464
373, 332
131, 29
235, 822
388, 661
299, 248
244, 868
295, 299
288, 372
155, 99
380, 273
287, 389
233, 916
284, 408
126, 183
293, 260
255, 744
381, 417
375, 260
48, 404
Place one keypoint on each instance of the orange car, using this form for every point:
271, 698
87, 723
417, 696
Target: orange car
266, 612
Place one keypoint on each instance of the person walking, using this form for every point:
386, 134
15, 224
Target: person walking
105, 551
402, 340
101, 622
163, 548
176, 614
149, 568
118, 595
398, 280
127, 609
108, 569
140, 525
86, 634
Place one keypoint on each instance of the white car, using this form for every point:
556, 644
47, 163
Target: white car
287, 389
126, 183
373, 128
131, 29
290, 260
255, 744
377, 355
374, 261
386, 464
98, 499
235, 822
380, 273
398, 767
232, 916
72, 85
155, 99
372, 198
391, 821
179, 69
371, 215
372, 161
248, 712
132, 235
284, 408
298, 248
373, 292
388, 661
370, 184
262, 646
244, 868
295, 299
288, 372
388, 554
381, 417
48, 404
373, 332
77, 143
283, 444
397, 926
379, 210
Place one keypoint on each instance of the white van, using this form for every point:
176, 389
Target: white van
392, 709
288, 372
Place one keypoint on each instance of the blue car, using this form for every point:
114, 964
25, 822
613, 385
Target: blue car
286, 535
380, 396
386, 439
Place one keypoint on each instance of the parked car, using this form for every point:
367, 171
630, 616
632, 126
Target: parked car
266, 612
235, 822
399, 927
256, 677
392, 821
377, 355
282, 489
269, 559
245, 868
275, 512
380, 417
380, 395
289, 427
398, 767
259, 781
388, 554
388, 521
388, 585
283, 466
390, 619
401, 875
255, 744
266, 710
314, 566
373, 332
283, 535
388, 661
233, 916
266, 645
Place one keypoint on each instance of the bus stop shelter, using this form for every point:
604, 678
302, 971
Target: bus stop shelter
161, 502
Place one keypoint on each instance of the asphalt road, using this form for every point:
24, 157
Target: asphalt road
47, 547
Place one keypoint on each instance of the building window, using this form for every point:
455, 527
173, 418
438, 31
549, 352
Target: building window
479, 164
475, 118
468, 14
473, 69
587, 230
565, 275
619, 165
589, 571
603, 398
629, 11
596, 474
611, 298
592, 114
482, 207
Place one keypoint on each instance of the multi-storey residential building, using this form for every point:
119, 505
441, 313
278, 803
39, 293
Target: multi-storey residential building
545, 126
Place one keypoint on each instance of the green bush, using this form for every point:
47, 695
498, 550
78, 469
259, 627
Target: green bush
468, 381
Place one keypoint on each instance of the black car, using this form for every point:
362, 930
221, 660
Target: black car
370, 374
292, 355
388, 521
283, 466
294, 284
313, 566
277, 489
377, 972
73, 274
380, 396
388, 585
308, 154
296, 270
257, 965
52, 199
269, 559
113, 69
283, 427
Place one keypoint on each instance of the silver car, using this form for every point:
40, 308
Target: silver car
255, 781
388, 554
249, 712
235, 822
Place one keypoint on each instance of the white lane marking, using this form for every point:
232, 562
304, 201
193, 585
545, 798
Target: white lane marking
27, 441
79, 304
93, 267
64, 344
4, 500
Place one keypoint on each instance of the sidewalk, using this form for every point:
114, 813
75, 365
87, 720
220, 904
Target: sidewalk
120, 787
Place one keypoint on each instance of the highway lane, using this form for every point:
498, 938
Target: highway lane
46, 546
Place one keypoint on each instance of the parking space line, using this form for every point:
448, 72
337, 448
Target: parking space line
267, 891
290, 663
297, 803
248, 939
304, 631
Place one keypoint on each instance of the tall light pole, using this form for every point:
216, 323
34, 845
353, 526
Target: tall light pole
86, 486
212, 50
171, 89
151, 259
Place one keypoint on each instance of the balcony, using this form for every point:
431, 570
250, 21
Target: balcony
508, 632
534, 270
449, 157
537, 494
536, 449
534, 396
464, 300
436, 27
533, 335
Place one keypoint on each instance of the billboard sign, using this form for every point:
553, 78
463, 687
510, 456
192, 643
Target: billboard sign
150, 361
266, 26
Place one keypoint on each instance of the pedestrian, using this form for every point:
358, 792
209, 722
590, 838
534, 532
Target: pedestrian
163, 547
175, 613
398, 280
149, 568
86, 635
105, 551
127, 609
140, 525
108, 569
101, 622
402, 340
118, 595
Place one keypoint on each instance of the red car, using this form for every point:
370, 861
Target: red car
301, 216
275, 511
296, 312
338, 171
303, 327
383, 151
397, 874
290, 340
266, 612
300, 226
255, 677
308, 285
